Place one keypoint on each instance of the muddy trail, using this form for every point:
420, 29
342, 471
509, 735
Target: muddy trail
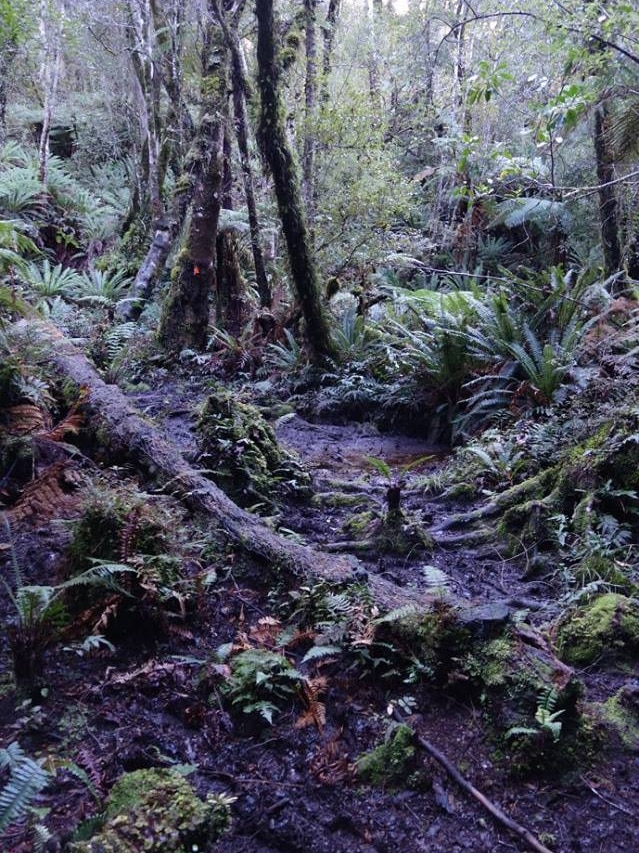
158, 699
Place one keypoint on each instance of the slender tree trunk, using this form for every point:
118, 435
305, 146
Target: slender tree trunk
142, 38
7, 55
185, 314
277, 153
329, 28
608, 209
374, 89
51, 30
310, 92
460, 68
240, 94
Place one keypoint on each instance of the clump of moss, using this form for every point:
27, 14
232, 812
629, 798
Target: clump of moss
240, 450
621, 712
608, 626
109, 517
395, 532
392, 763
156, 811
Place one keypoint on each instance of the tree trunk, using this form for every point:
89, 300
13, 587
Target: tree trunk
142, 40
7, 55
277, 153
240, 94
51, 21
329, 38
185, 314
229, 296
310, 91
131, 436
608, 215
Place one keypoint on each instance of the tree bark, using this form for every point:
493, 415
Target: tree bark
131, 436
329, 38
240, 95
277, 153
310, 92
7, 55
51, 31
608, 213
185, 314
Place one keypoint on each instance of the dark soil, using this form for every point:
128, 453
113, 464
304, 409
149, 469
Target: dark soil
151, 704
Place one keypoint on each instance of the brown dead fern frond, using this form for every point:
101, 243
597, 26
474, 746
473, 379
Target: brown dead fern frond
129, 534
27, 419
314, 711
52, 494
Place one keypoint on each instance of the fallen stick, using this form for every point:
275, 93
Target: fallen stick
499, 815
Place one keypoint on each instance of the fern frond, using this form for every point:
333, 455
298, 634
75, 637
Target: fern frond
27, 779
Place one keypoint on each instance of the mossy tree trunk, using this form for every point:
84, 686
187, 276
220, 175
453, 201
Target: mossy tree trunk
185, 314
240, 95
608, 209
229, 295
310, 93
277, 153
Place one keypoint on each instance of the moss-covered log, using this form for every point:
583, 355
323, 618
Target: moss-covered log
130, 436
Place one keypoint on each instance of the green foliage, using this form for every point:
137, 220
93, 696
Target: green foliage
26, 779
48, 281
546, 717
158, 811
262, 682
98, 287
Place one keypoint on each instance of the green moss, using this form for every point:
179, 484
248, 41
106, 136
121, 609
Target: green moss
240, 450
211, 86
392, 763
606, 627
597, 567
621, 712
360, 524
156, 811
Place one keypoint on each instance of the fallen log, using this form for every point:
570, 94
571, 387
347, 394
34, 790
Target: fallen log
135, 438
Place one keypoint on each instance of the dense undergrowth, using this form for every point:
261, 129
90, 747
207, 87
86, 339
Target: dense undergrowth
531, 376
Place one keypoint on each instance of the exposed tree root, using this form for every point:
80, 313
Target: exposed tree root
517, 494
499, 815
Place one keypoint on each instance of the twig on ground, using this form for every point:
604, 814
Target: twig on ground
499, 815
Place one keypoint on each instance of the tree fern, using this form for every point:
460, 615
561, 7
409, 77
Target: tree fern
539, 212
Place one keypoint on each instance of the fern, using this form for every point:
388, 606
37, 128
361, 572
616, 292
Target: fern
399, 614
539, 212
319, 652
27, 778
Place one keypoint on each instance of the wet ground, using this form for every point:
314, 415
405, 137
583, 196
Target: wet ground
296, 788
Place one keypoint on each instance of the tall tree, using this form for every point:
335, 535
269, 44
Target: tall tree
278, 155
52, 16
608, 208
240, 95
185, 314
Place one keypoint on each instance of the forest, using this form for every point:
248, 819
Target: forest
319, 426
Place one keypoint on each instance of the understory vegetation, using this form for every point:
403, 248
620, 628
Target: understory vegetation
319, 426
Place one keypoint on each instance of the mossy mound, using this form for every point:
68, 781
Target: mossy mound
241, 453
392, 763
156, 811
607, 627
621, 712
394, 533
